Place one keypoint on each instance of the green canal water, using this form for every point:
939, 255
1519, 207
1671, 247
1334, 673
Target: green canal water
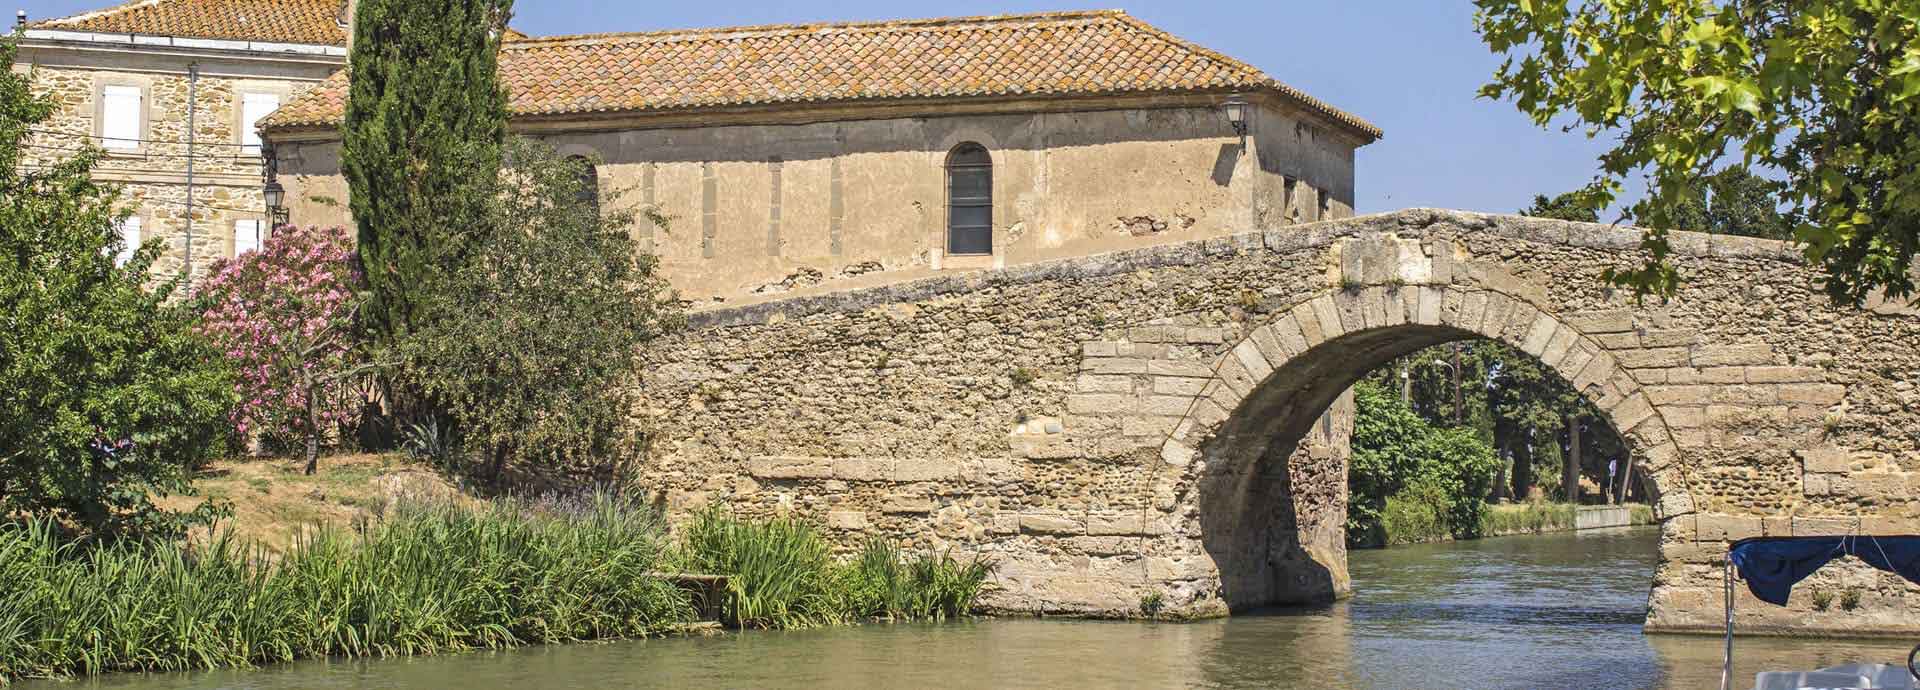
1558, 611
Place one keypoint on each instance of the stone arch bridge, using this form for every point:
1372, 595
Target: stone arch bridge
1173, 420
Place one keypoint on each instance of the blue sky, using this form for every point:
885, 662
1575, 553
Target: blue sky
1410, 66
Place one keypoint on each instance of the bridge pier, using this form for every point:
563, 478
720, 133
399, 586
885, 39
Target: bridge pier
1164, 426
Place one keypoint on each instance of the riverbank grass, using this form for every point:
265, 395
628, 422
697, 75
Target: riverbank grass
430, 577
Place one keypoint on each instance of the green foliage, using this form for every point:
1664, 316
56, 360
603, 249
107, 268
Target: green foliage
1850, 599
1531, 518
1822, 600
1733, 202
1821, 92
529, 345
428, 578
425, 118
780, 574
1562, 207
1406, 474
87, 348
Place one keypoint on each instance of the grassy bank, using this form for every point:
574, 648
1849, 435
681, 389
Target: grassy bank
433, 577
1416, 522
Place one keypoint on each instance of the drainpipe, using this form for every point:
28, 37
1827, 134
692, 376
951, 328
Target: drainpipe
193, 101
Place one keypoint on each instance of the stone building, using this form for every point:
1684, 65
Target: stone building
787, 156
172, 90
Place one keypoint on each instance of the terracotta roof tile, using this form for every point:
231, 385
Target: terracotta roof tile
1067, 53
278, 21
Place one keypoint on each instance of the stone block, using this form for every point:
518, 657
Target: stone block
1825, 526
1784, 374
1116, 524
1603, 321
1664, 395
1822, 394
1287, 330
1100, 403
1825, 459
1617, 341
926, 470
847, 520
1051, 523
863, 469
1270, 347
1005, 523
1099, 348
1652, 357
1165, 367
1673, 502
1176, 454
1680, 417
993, 471
789, 467
899, 504
1147, 426
1178, 385
1539, 334
1113, 365
1256, 364
1817, 484
1165, 405
1558, 346
1309, 323
1668, 337
1723, 375
1431, 300
1630, 413
1157, 334
1718, 527
1329, 315
1104, 383
1732, 355
1204, 336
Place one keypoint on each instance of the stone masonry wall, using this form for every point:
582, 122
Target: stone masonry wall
1110, 428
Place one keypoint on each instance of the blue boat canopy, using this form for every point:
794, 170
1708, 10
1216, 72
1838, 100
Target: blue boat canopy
1772, 565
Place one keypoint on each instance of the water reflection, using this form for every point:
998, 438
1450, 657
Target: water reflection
1524, 612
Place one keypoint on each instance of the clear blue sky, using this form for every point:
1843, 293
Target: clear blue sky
1410, 66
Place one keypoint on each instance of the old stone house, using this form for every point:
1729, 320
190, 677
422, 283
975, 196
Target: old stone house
172, 91
789, 156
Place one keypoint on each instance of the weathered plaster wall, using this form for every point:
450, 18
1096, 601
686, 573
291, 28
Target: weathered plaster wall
1107, 427
764, 208
153, 178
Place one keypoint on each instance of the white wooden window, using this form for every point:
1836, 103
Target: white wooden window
120, 117
246, 236
253, 108
129, 231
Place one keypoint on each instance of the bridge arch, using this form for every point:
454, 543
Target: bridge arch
1242, 445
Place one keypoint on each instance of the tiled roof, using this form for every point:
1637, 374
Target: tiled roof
1068, 53
273, 21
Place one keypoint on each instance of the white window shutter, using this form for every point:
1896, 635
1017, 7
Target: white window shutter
253, 108
120, 117
246, 236
130, 238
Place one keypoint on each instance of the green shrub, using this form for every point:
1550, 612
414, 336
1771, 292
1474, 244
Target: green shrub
87, 348
884, 582
1395, 451
1416, 514
1532, 518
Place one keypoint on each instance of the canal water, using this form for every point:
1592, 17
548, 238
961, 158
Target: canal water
1556, 611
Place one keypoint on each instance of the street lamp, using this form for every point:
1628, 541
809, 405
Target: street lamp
276, 197
1236, 110
274, 194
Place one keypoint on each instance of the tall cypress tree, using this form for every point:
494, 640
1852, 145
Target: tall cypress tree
425, 119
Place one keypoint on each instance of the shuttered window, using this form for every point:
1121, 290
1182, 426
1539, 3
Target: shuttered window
120, 117
246, 236
129, 240
254, 107
969, 200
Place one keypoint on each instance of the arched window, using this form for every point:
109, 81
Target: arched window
589, 191
969, 200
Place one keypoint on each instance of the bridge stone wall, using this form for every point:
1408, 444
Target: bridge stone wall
1168, 425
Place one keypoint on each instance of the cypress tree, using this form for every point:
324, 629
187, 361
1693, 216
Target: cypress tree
425, 119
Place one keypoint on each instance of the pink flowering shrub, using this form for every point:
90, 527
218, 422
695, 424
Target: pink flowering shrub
284, 316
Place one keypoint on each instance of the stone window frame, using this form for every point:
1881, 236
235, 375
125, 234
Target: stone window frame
597, 160
238, 120
937, 232
143, 133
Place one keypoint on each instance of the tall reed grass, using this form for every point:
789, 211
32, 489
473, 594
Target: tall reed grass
428, 578
436, 577
780, 574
